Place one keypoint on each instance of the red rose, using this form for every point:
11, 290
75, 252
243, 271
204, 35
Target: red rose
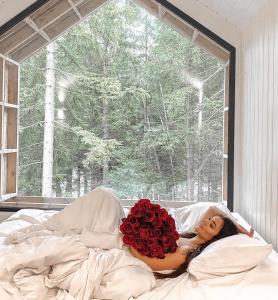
157, 222
166, 241
173, 247
143, 204
163, 214
138, 242
132, 219
136, 229
126, 227
156, 207
176, 236
152, 242
152, 233
136, 212
144, 234
170, 221
157, 232
149, 216
127, 239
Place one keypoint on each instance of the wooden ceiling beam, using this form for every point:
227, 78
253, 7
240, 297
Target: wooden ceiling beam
16, 37
50, 12
29, 47
32, 24
86, 7
75, 9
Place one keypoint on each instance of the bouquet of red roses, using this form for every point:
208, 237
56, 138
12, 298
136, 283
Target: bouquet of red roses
150, 229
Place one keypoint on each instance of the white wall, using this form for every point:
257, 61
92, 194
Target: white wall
259, 132
210, 19
10, 8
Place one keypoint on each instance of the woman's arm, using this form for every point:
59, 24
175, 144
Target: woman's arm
215, 211
171, 261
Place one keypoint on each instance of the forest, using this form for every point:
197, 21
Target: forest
124, 101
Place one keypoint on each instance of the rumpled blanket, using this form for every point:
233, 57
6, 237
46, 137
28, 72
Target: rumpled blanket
76, 254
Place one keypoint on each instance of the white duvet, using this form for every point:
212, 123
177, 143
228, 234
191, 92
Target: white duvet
60, 257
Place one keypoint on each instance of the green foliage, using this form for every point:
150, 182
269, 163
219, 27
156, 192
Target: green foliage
123, 84
98, 149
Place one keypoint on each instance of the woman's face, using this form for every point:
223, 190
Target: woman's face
209, 228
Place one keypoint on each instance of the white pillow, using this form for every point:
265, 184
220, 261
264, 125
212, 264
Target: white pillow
230, 255
188, 217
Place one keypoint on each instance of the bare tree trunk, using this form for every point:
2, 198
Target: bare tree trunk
86, 183
200, 114
92, 180
189, 159
167, 129
69, 183
78, 180
156, 158
214, 185
105, 136
58, 188
48, 122
209, 181
146, 110
190, 181
200, 146
105, 127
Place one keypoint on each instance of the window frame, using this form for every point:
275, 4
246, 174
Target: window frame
229, 89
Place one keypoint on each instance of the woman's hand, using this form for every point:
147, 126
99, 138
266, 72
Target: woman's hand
185, 249
251, 232
241, 229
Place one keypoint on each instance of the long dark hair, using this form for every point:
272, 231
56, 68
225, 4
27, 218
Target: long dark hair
228, 229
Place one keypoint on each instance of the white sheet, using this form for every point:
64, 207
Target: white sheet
256, 284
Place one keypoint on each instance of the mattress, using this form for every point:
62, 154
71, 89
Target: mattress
258, 283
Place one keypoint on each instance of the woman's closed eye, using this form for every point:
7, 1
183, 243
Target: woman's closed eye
212, 224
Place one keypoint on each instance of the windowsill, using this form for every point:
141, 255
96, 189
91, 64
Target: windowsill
58, 203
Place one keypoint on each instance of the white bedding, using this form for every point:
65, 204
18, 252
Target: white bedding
259, 283
59, 258
110, 274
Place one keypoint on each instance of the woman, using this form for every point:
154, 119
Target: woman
207, 231
214, 225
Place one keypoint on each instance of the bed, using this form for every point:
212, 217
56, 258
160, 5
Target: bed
258, 283
261, 282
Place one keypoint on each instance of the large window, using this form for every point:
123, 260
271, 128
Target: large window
137, 107
122, 100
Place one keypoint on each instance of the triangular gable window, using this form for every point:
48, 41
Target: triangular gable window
55, 17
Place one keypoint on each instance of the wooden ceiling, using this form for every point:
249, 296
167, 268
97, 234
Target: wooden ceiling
57, 16
42, 26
